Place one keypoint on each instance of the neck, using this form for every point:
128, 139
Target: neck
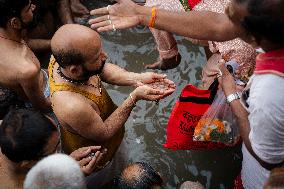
12, 167
12, 34
72, 76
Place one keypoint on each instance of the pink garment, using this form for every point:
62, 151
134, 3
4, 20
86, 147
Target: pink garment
236, 49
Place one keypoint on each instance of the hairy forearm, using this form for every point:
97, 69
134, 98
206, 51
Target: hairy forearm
117, 119
116, 75
64, 12
39, 45
204, 25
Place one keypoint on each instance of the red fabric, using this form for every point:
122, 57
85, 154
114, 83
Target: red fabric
270, 63
192, 3
183, 119
238, 183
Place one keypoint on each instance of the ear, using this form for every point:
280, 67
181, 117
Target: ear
75, 70
15, 23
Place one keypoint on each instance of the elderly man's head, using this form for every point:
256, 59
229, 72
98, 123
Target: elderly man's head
78, 49
139, 175
27, 135
261, 20
54, 172
16, 14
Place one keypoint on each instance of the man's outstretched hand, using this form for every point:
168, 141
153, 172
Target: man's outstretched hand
121, 15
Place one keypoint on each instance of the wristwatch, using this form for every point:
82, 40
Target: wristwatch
233, 97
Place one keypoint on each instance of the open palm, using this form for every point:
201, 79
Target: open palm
121, 15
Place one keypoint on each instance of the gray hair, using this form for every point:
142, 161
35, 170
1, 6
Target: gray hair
55, 171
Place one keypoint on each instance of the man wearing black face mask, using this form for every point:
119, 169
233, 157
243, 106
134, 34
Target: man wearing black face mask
20, 70
86, 113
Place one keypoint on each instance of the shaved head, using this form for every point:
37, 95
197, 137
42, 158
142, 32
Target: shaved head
73, 44
139, 175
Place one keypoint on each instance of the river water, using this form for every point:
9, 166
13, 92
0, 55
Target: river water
146, 126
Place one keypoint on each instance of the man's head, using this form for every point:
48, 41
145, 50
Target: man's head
261, 20
78, 50
139, 175
55, 171
16, 14
27, 135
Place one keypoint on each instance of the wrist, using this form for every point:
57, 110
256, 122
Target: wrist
233, 96
133, 98
143, 14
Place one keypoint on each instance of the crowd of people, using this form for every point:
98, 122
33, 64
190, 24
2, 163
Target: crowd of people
61, 129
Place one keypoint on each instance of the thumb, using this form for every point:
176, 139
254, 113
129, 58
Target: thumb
159, 76
222, 67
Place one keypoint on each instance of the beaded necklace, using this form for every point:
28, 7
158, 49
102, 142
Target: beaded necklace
79, 82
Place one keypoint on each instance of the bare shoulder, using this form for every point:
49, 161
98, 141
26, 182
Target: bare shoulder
70, 107
28, 71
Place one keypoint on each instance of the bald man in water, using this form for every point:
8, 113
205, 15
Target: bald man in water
83, 107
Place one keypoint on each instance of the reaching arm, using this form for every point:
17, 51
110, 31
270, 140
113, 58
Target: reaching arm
90, 124
39, 45
203, 25
116, 75
229, 87
64, 12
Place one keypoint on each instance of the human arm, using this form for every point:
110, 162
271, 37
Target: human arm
64, 12
91, 125
87, 157
116, 75
229, 87
39, 45
30, 82
203, 25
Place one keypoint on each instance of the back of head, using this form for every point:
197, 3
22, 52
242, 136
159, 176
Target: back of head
10, 9
276, 179
72, 44
139, 175
24, 134
265, 20
54, 172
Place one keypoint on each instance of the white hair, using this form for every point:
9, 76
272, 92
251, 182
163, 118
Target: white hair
58, 171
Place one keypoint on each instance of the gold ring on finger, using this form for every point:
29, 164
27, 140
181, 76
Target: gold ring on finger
110, 22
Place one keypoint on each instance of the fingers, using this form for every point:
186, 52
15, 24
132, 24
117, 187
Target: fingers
98, 19
85, 161
89, 167
80, 153
99, 11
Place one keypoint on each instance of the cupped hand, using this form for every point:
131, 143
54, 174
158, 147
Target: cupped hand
121, 15
145, 92
152, 78
87, 158
226, 80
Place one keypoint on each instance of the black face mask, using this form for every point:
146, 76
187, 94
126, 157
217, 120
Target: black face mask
88, 74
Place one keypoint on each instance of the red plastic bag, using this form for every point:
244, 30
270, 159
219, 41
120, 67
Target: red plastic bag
188, 110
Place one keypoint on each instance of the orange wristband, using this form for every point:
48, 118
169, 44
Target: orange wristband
153, 17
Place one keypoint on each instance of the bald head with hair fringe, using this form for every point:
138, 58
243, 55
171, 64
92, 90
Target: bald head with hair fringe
73, 44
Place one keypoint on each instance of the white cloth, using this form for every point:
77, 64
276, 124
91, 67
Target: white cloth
266, 118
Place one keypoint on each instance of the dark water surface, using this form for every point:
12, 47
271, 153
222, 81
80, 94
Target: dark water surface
146, 126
